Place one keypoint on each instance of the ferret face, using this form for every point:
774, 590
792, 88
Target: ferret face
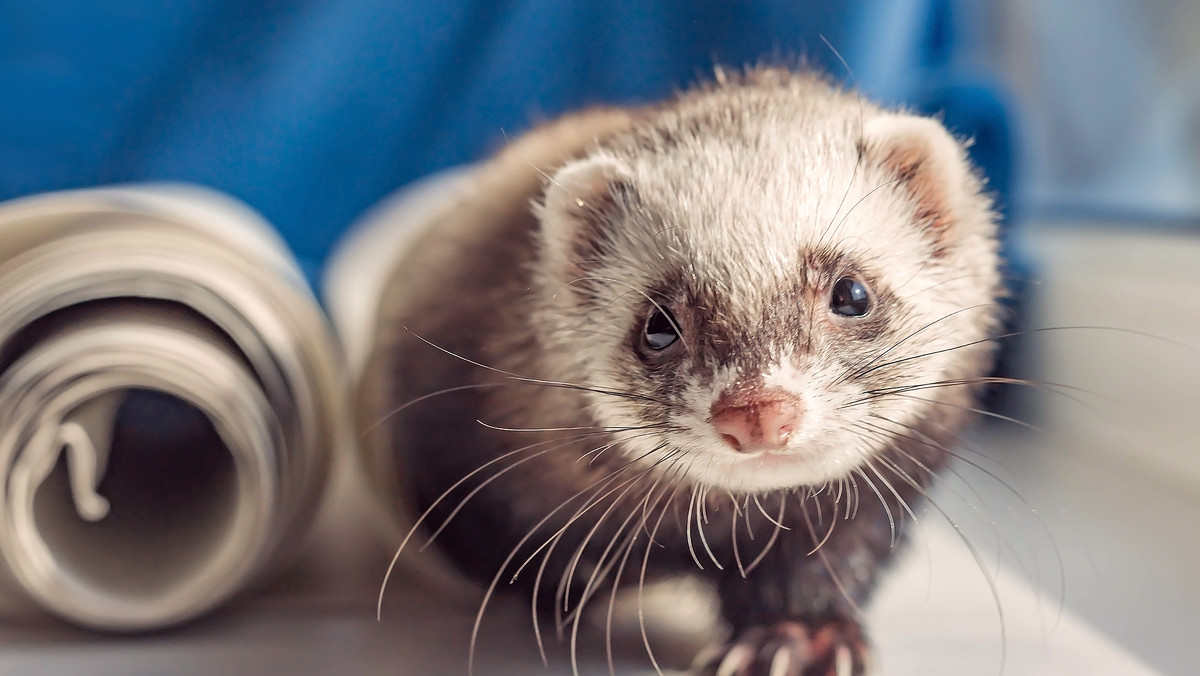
770, 301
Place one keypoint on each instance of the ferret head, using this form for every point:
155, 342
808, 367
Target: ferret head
767, 285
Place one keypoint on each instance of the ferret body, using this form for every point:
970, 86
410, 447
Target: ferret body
731, 335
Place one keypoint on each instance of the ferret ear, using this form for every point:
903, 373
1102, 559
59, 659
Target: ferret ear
582, 199
930, 165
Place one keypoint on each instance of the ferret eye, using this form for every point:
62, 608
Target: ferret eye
661, 329
850, 298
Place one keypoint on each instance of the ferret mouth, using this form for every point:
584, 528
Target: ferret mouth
775, 458
776, 469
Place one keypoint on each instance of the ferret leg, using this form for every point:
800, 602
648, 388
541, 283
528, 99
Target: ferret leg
797, 614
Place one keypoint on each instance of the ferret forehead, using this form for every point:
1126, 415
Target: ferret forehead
778, 135
723, 180
747, 153
766, 205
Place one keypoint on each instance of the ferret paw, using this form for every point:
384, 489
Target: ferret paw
789, 648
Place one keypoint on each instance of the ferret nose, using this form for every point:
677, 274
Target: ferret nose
759, 425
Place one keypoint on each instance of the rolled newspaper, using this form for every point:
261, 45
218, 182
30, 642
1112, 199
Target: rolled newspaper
170, 393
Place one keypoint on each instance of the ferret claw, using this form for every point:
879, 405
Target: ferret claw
789, 648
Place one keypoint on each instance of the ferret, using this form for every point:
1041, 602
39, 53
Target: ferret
730, 335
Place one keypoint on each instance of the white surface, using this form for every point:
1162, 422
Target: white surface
1135, 360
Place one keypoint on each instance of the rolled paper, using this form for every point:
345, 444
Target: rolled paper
170, 394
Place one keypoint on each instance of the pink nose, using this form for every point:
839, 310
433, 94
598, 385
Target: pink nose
759, 424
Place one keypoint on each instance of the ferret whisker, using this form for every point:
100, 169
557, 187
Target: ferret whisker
883, 392
872, 191
848, 486
642, 585
612, 601
746, 517
920, 437
563, 591
541, 571
883, 434
813, 493
596, 487
1042, 385
660, 232
487, 596
579, 428
975, 409
778, 524
595, 454
737, 510
429, 510
535, 381
599, 572
425, 397
491, 589
853, 175
612, 598
989, 473
604, 565
569, 573
833, 519
828, 533
548, 177
778, 521
672, 471
553, 542
737, 555
601, 492
989, 577
892, 489
978, 506
633, 396
849, 71
860, 371
856, 497
687, 526
957, 278
886, 509
871, 365
445, 522
829, 569
915, 435
702, 511
1028, 332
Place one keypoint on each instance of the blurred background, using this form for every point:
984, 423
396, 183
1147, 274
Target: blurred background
1085, 116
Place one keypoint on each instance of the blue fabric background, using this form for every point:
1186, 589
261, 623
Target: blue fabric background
312, 110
